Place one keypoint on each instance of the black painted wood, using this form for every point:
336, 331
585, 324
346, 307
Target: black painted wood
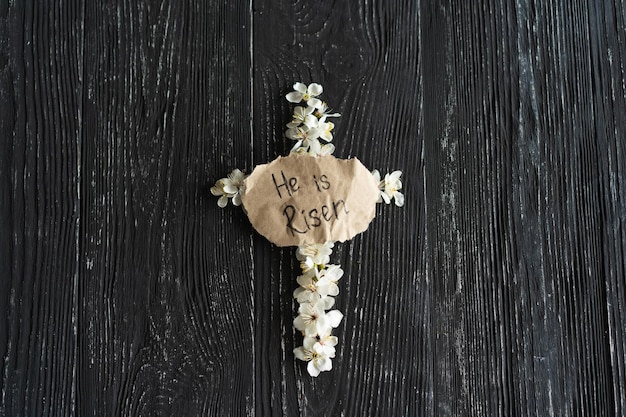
499, 289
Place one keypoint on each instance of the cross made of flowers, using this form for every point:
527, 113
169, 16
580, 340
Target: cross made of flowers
312, 132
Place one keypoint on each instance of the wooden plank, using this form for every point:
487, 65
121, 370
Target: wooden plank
366, 56
40, 90
521, 205
165, 295
602, 197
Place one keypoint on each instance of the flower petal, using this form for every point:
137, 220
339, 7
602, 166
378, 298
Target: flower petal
237, 200
315, 147
395, 175
313, 371
222, 201
334, 272
333, 290
331, 341
300, 87
334, 318
385, 197
314, 102
311, 121
327, 149
294, 97
236, 174
326, 302
309, 342
325, 364
304, 280
300, 323
315, 89
294, 133
298, 291
302, 354
399, 199
329, 351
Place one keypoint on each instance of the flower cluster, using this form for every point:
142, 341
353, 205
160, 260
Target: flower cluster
229, 187
318, 286
309, 123
389, 187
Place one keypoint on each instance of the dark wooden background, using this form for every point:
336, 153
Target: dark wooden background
498, 290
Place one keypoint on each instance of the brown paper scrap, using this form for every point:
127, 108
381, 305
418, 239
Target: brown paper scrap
299, 199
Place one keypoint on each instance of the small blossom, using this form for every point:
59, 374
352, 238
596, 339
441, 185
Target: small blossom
327, 279
324, 302
323, 111
320, 129
316, 354
302, 92
389, 187
315, 289
307, 147
299, 116
311, 319
310, 290
306, 137
318, 252
229, 187
302, 133
328, 342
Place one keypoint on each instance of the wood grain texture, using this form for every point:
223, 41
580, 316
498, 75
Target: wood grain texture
517, 182
499, 289
166, 317
40, 84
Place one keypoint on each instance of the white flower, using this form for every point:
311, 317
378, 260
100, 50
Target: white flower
229, 187
313, 321
328, 342
309, 290
315, 288
299, 116
389, 187
306, 136
327, 279
318, 252
302, 133
308, 94
320, 128
316, 354
324, 302
307, 146
322, 111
